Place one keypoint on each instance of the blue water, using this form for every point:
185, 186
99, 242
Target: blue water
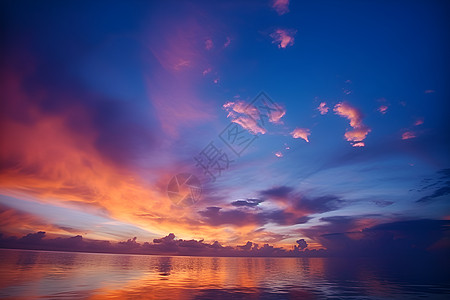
63, 275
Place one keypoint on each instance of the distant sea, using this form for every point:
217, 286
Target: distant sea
26, 274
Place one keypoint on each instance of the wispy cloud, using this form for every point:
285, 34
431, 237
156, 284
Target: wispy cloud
360, 131
303, 133
283, 37
323, 108
418, 122
227, 43
247, 115
383, 109
209, 44
281, 6
408, 135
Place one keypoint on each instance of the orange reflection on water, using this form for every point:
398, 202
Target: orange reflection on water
41, 274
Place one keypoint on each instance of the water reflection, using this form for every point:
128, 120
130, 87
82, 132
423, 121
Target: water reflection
32, 274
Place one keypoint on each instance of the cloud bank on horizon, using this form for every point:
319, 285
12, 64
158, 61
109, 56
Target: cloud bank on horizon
98, 114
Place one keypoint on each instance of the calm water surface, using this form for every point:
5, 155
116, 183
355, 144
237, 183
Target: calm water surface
63, 275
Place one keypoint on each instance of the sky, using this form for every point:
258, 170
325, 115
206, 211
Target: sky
274, 122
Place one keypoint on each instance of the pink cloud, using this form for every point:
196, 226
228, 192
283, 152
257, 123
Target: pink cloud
360, 131
206, 71
275, 116
283, 37
419, 122
323, 108
281, 6
171, 85
278, 154
301, 133
408, 135
383, 109
227, 43
245, 115
359, 144
209, 44
429, 91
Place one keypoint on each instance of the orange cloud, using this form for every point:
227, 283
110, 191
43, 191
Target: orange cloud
283, 37
301, 133
360, 131
281, 6
50, 159
14, 222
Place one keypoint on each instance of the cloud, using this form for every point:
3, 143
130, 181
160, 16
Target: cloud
301, 133
276, 115
206, 71
283, 37
441, 187
247, 202
302, 204
281, 6
209, 44
418, 122
403, 238
277, 192
360, 131
408, 135
359, 144
279, 154
14, 221
302, 244
322, 108
227, 43
400, 238
216, 216
429, 91
383, 109
245, 115
168, 245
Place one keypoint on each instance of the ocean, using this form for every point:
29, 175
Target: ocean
27, 274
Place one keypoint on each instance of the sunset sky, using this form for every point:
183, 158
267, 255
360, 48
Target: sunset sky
104, 102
